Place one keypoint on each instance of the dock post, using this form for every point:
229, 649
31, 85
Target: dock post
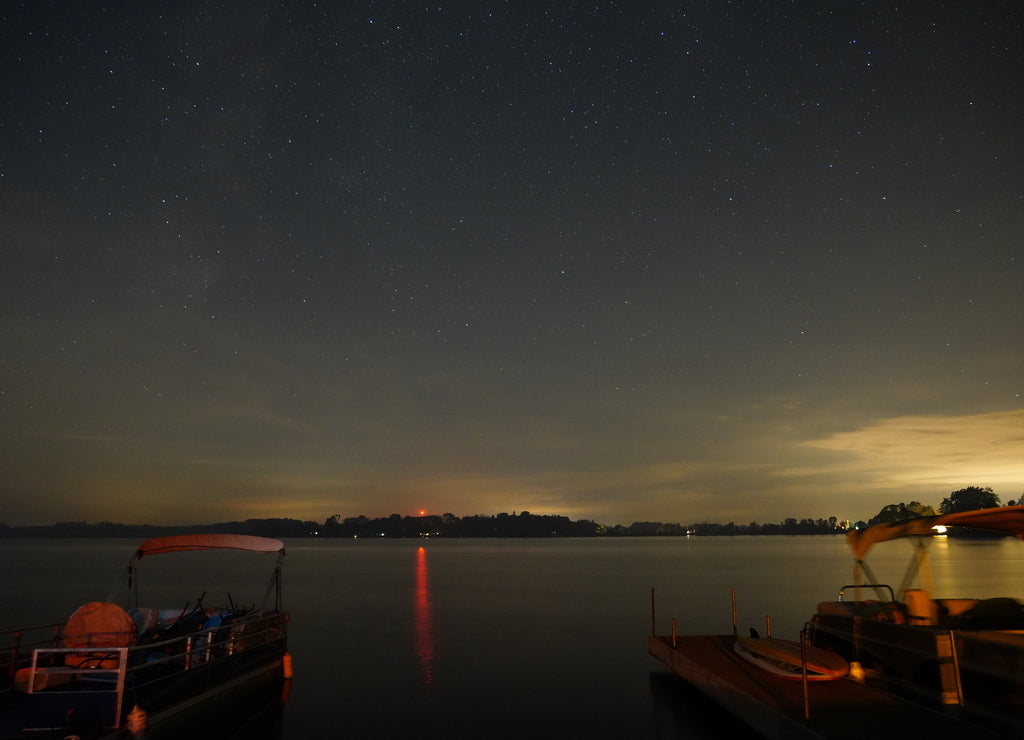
735, 632
803, 671
652, 612
673, 632
768, 625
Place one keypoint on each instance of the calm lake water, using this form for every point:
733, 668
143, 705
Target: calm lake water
496, 638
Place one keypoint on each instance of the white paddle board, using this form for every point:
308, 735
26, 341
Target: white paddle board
782, 657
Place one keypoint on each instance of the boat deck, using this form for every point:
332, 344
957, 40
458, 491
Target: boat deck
774, 707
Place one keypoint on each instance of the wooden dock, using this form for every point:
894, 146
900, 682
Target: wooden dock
774, 707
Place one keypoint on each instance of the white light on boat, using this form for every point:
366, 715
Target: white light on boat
939, 529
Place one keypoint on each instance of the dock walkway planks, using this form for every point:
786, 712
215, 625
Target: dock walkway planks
774, 707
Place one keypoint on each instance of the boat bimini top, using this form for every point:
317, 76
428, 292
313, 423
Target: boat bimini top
189, 542
1008, 520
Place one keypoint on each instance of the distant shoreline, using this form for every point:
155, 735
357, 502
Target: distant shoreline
396, 526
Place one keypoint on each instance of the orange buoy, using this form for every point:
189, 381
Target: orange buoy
286, 665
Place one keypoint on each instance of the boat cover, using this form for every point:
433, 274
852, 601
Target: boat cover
185, 542
1006, 519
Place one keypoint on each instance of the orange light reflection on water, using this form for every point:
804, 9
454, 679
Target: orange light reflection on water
423, 619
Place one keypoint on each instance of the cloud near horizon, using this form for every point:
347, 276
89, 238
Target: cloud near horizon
933, 451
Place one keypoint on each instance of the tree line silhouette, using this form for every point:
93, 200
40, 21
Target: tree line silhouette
523, 524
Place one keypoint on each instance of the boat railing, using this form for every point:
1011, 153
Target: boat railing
972, 670
16, 646
98, 673
108, 674
876, 587
185, 652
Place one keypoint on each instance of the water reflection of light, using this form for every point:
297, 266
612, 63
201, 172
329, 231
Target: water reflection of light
423, 619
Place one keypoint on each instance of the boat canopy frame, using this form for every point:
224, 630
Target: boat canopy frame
1006, 520
193, 542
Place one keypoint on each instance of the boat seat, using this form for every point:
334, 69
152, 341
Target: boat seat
836, 607
996, 614
956, 607
93, 627
921, 608
98, 624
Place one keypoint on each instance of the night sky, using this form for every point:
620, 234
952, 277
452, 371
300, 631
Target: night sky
676, 261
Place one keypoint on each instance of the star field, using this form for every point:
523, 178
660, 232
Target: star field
682, 261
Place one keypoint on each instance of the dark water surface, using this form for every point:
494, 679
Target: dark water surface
495, 638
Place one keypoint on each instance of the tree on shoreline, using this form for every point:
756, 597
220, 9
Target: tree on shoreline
899, 512
969, 499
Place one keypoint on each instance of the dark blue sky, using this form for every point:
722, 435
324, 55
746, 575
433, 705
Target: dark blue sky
682, 261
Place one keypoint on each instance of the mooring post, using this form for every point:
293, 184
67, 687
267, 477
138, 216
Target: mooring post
673, 632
